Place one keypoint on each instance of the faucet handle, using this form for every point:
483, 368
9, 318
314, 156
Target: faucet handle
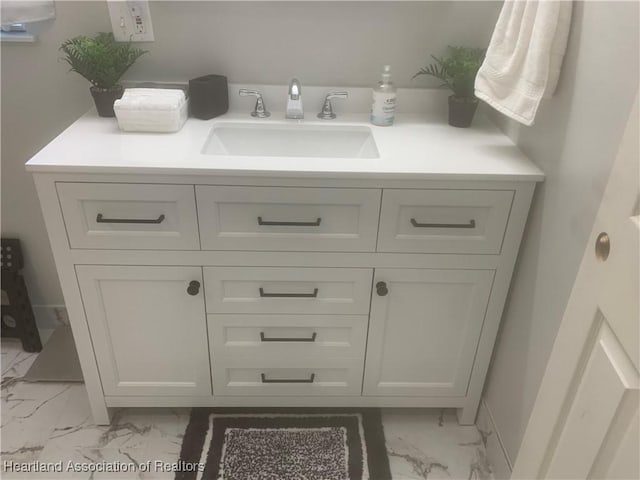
327, 109
260, 111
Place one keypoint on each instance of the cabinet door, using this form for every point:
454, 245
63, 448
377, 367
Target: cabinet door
149, 334
424, 330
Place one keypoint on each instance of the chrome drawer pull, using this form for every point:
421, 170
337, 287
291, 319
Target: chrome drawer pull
287, 339
287, 380
101, 219
291, 224
471, 224
289, 295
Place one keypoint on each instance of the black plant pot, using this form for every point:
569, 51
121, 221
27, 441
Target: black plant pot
461, 111
104, 98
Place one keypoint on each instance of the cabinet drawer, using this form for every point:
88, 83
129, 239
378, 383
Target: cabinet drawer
287, 290
292, 219
444, 221
296, 337
129, 216
309, 376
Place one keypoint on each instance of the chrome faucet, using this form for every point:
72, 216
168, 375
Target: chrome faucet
327, 109
294, 100
259, 111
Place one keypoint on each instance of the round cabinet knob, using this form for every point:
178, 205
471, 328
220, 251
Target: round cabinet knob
381, 288
193, 288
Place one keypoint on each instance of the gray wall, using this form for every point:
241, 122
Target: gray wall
323, 43
39, 100
574, 140
331, 43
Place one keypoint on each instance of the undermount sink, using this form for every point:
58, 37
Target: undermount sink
264, 140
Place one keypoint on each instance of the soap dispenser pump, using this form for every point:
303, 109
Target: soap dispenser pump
384, 100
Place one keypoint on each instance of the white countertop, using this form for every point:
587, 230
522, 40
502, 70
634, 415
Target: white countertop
415, 147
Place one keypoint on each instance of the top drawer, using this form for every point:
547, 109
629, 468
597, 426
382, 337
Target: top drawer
129, 216
444, 221
290, 219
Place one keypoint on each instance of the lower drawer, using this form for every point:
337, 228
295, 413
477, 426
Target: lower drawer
294, 336
288, 376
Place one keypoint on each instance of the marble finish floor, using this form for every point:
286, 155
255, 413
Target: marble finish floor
51, 422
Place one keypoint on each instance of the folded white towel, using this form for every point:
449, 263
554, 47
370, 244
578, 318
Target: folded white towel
151, 99
151, 110
524, 57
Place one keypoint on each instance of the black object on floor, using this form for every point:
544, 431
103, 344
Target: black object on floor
284, 443
18, 320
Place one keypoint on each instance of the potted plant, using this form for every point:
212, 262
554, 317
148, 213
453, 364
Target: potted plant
458, 70
102, 61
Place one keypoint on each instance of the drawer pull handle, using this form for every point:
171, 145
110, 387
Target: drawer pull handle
194, 288
381, 289
291, 224
287, 380
101, 219
288, 339
288, 295
471, 224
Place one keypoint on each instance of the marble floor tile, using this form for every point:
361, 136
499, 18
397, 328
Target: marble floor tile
29, 414
430, 444
51, 422
15, 361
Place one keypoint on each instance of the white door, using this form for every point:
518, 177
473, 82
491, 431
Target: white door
424, 330
148, 329
585, 420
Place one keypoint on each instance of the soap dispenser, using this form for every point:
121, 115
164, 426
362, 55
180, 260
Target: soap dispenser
384, 100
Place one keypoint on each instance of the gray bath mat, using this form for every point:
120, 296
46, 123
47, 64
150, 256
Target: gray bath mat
58, 360
284, 444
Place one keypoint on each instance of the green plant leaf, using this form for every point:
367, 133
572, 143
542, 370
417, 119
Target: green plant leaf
100, 59
457, 70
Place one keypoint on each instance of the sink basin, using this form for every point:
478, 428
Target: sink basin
264, 140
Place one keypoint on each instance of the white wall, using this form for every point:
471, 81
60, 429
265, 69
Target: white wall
322, 43
330, 43
39, 100
574, 140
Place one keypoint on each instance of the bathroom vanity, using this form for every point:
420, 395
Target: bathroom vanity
196, 276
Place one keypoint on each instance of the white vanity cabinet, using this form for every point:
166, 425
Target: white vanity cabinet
424, 330
148, 328
198, 281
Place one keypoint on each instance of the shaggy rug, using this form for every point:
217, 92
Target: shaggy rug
283, 444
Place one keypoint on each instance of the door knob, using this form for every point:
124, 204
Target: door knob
193, 288
381, 289
603, 247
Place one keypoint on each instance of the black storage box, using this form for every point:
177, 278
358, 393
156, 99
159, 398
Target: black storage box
208, 96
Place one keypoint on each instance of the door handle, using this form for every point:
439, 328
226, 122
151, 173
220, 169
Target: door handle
264, 379
290, 224
263, 294
101, 219
312, 338
471, 224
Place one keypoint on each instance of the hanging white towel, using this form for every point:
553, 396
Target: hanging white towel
523, 61
26, 11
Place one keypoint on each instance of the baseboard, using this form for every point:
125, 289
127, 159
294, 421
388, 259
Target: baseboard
50, 317
497, 455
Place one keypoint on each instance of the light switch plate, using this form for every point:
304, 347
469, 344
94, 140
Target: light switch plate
131, 20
